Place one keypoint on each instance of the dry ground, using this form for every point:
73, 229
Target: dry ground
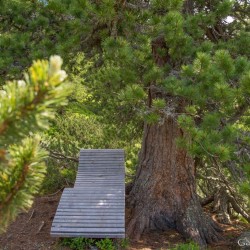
31, 232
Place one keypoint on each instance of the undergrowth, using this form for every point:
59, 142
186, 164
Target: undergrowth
187, 246
101, 244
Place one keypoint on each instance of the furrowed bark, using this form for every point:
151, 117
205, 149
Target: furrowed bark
164, 194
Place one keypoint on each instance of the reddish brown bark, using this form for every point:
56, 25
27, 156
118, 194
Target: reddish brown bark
164, 194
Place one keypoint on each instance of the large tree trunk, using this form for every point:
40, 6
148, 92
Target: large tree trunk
164, 195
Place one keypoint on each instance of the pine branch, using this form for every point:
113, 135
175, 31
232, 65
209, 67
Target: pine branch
61, 156
26, 106
18, 185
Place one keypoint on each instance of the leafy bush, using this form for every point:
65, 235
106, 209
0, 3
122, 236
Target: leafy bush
105, 244
59, 175
101, 244
187, 246
78, 243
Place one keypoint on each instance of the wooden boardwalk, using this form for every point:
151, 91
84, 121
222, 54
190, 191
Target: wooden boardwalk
95, 207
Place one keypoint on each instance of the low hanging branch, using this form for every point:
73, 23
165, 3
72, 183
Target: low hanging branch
57, 155
61, 156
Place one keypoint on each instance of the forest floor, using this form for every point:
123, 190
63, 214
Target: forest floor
31, 232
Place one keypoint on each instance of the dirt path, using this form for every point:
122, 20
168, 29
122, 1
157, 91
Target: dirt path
31, 232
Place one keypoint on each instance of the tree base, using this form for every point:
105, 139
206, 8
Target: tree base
193, 224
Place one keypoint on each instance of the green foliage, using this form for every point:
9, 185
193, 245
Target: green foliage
105, 244
58, 175
26, 107
124, 243
78, 243
187, 246
101, 244
119, 80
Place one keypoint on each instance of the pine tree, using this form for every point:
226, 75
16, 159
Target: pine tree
183, 68
26, 106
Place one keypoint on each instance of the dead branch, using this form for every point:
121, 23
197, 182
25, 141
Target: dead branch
41, 226
31, 214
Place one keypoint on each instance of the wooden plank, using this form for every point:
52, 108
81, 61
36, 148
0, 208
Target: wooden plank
85, 214
94, 175
98, 174
86, 210
100, 168
105, 173
108, 190
89, 223
101, 172
120, 153
91, 201
89, 210
104, 154
94, 216
104, 157
101, 149
93, 205
96, 224
90, 188
88, 213
98, 181
112, 182
92, 235
116, 164
83, 203
95, 167
90, 230
82, 198
89, 207
76, 196
97, 185
96, 196
80, 190
80, 220
104, 180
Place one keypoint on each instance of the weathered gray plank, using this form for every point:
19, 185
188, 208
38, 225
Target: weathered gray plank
90, 205
92, 224
89, 235
96, 194
99, 183
91, 201
83, 150
104, 181
87, 196
94, 216
90, 230
80, 220
99, 190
